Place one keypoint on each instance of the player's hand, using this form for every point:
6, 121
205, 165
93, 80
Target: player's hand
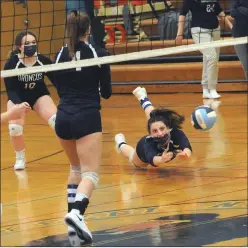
179, 40
18, 110
25, 106
167, 156
181, 154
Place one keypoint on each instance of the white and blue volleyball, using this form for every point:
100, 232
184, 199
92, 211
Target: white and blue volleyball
203, 118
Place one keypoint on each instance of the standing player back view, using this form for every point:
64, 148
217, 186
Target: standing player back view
205, 28
78, 122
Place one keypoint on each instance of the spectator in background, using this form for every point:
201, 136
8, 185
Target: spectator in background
239, 11
205, 28
86, 6
75, 5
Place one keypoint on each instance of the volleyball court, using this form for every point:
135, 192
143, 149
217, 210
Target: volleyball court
141, 37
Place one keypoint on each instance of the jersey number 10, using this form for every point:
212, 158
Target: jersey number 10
30, 85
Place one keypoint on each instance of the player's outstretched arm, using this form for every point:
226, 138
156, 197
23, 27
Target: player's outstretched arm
184, 154
164, 158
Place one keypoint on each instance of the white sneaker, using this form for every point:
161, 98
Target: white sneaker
73, 238
20, 164
214, 94
206, 94
76, 222
119, 138
140, 93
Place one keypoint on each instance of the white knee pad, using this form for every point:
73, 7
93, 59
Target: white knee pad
51, 121
93, 176
15, 130
75, 169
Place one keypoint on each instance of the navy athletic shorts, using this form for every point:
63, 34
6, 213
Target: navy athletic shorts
70, 126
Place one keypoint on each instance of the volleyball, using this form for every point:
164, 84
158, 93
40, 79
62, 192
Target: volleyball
203, 118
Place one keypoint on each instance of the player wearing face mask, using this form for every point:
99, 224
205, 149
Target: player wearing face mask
30, 88
30, 50
165, 139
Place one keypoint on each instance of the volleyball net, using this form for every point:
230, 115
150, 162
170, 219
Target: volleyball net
122, 58
128, 29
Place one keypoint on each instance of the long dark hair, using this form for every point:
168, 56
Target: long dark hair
169, 117
77, 26
18, 41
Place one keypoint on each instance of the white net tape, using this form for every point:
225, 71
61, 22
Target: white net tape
124, 57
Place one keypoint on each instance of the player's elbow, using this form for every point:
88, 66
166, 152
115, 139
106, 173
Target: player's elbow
106, 95
106, 91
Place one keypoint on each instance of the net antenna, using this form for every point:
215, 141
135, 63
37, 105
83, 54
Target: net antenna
124, 57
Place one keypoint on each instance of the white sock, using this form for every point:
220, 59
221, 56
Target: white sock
20, 154
81, 196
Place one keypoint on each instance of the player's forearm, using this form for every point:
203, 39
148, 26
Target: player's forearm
157, 160
181, 22
187, 151
225, 19
105, 82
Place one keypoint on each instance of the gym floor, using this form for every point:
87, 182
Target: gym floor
199, 202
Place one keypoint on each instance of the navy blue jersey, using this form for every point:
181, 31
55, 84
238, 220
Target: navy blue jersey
82, 87
29, 87
204, 12
147, 149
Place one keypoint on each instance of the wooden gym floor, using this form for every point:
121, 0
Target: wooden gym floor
200, 202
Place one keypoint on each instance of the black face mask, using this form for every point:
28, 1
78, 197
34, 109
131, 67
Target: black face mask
163, 141
30, 50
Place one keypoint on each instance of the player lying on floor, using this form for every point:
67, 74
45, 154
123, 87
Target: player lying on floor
165, 140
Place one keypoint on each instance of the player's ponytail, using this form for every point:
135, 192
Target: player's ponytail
12, 53
77, 26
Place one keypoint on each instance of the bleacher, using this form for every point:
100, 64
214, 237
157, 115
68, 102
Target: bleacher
175, 73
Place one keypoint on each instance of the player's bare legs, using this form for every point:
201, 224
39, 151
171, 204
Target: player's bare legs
141, 95
46, 109
128, 151
89, 150
17, 139
74, 177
